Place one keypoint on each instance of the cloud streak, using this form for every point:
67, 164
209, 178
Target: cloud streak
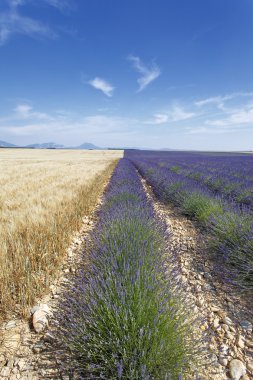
240, 116
234, 112
25, 111
59, 4
218, 100
148, 74
12, 22
102, 85
175, 114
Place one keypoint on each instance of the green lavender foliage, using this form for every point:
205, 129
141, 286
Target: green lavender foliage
126, 314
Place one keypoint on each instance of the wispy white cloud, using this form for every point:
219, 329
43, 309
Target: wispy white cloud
15, 3
159, 118
178, 113
148, 74
209, 131
217, 114
24, 130
220, 99
174, 114
233, 113
212, 100
102, 85
13, 22
59, 4
25, 111
4, 33
239, 116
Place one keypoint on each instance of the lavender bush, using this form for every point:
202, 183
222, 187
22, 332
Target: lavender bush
124, 317
233, 238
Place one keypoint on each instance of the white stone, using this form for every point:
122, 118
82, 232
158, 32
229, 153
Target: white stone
224, 348
10, 325
21, 364
230, 336
240, 341
249, 343
216, 323
40, 321
237, 369
43, 306
10, 362
2, 360
227, 321
250, 365
214, 309
6, 371
223, 361
213, 359
199, 302
225, 327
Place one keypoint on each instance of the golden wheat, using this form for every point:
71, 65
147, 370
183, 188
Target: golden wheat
43, 196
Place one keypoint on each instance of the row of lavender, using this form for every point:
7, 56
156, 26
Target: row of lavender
126, 318
230, 176
231, 226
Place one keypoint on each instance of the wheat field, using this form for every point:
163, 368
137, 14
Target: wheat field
43, 196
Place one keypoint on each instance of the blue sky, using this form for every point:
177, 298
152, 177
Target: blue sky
149, 73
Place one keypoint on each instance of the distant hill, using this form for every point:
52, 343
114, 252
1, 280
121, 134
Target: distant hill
49, 145
4, 144
87, 146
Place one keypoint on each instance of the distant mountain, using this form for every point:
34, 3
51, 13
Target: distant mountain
87, 146
4, 144
49, 145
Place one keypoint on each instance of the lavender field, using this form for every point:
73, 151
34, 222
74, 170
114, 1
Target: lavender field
216, 190
129, 312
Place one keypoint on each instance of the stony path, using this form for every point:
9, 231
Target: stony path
227, 317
